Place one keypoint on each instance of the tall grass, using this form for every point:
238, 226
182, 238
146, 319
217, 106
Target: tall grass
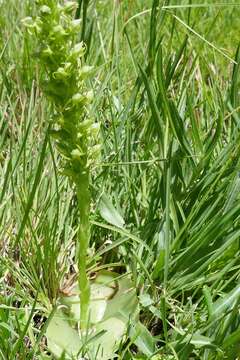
166, 96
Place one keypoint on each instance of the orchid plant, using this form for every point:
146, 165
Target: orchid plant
75, 133
107, 303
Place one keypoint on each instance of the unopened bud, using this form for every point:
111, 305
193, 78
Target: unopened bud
78, 50
77, 99
59, 30
47, 52
69, 7
45, 10
89, 96
60, 74
28, 22
95, 151
76, 25
86, 71
85, 125
94, 130
76, 154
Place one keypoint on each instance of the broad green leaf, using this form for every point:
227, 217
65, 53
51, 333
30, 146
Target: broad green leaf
143, 339
113, 302
61, 337
145, 300
105, 346
109, 213
124, 304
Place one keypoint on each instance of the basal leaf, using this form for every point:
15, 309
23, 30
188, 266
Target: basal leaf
109, 213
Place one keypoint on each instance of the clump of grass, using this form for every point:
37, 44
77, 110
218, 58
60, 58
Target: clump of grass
75, 133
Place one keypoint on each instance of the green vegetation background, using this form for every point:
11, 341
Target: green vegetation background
167, 98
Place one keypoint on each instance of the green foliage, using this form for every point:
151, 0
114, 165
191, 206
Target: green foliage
166, 79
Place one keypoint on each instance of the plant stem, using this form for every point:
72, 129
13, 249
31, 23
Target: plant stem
83, 196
